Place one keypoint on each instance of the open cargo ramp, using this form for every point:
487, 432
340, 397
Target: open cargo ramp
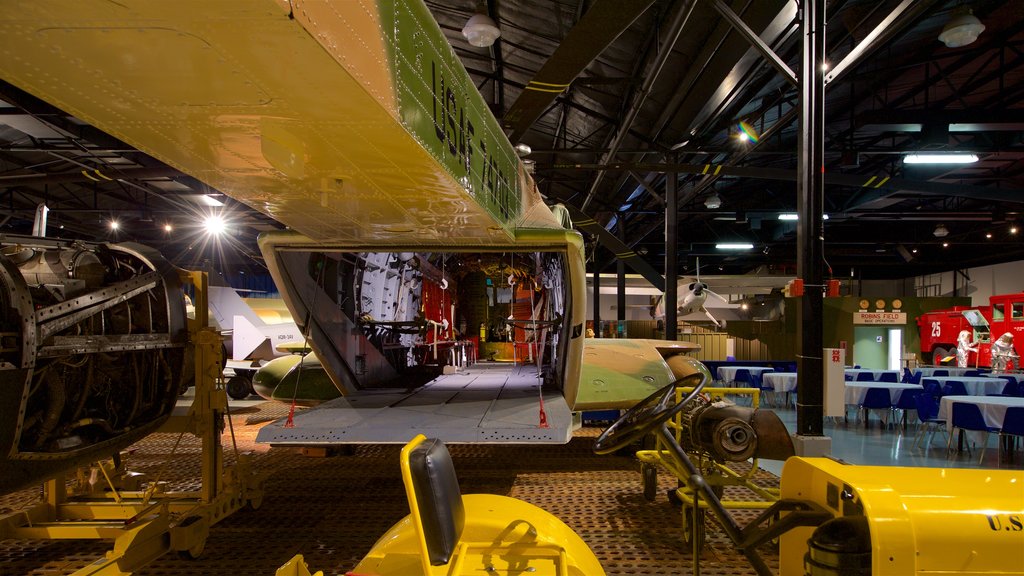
488, 403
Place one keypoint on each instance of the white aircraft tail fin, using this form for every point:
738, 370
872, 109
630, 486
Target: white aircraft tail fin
246, 338
226, 304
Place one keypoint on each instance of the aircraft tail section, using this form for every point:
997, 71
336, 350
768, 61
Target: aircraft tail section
246, 338
226, 304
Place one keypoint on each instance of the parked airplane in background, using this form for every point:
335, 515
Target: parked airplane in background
408, 209
254, 331
690, 298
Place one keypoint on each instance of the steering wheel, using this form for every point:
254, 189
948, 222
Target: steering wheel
646, 415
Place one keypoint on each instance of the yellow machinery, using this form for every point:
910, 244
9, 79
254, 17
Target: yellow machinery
888, 520
144, 524
449, 534
731, 435
837, 519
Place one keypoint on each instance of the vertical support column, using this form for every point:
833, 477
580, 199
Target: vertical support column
810, 237
620, 271
597, 296
671, 220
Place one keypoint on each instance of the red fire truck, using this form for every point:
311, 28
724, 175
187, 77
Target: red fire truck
940, 329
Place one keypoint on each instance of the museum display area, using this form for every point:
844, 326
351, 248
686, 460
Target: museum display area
401, 287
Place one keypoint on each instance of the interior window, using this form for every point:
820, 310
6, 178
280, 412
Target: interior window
997, 312
1017, 312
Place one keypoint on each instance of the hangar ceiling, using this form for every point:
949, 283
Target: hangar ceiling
607, 93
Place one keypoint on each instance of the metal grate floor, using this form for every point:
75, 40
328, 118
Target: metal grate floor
333, 509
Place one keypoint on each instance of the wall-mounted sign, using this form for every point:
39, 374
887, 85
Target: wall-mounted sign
879, 317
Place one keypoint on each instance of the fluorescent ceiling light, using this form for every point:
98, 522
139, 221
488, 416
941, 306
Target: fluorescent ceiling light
940, 158
734, 246
793, 216
203, 200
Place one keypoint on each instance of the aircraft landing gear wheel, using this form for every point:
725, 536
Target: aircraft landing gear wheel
693, 527
649, 474
239, 387
937, 355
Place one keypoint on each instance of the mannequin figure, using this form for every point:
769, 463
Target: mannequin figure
1003, 353
964, 347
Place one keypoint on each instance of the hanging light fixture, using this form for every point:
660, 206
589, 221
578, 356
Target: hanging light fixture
480, 30
962, 29
941, 231
713, 202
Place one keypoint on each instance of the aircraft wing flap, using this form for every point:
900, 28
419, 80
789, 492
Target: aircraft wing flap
483, 404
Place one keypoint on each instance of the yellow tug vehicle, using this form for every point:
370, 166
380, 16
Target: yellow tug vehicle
449, 534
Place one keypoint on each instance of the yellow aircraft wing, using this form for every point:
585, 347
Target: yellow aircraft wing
342, 120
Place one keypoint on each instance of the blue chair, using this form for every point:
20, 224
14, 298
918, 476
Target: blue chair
876, 399
927, 412
1011, 377
888, 377
954, 388
972, 373
1010, 389
865, 377
941, 372
911, 376
767, 390
1013, 426
906, 401
968, 417
742, 378
932, 387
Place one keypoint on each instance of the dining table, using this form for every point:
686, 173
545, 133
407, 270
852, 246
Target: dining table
928, 371
993, 408
853, 373
728, 373
855, 391
780, 381
975, 385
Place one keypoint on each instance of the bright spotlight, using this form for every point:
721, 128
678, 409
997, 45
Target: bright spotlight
114, 224
168, 228
214, 225
747, 132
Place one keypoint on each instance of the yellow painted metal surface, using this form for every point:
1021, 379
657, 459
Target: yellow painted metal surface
502, 536
303, 110
296, 567
921, 520
617, 373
